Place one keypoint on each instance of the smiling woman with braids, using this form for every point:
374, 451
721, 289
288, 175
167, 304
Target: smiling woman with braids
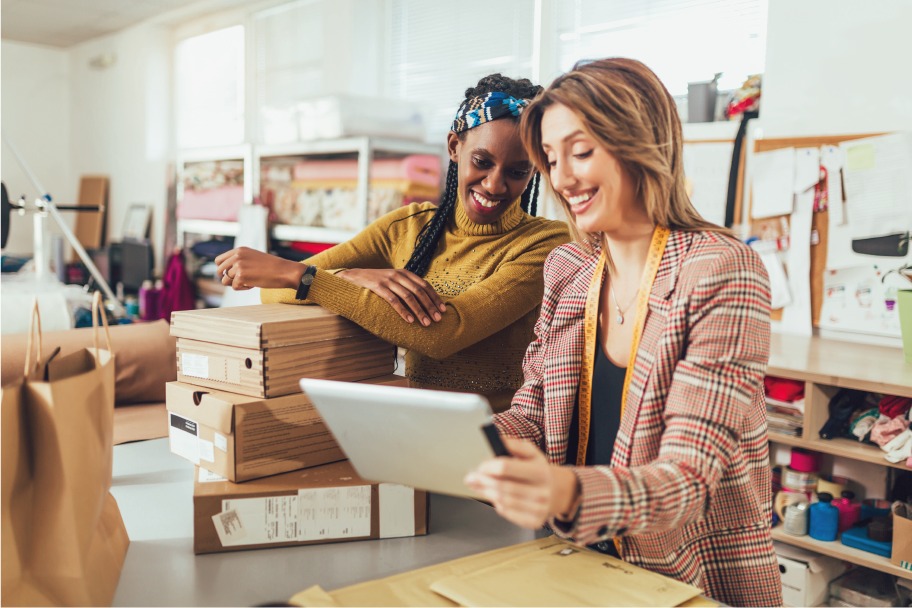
459, 285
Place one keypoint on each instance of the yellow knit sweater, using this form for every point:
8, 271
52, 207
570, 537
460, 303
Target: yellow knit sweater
490, 277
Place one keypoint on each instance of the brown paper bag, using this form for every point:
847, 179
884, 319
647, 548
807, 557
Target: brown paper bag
63, 539
902, 536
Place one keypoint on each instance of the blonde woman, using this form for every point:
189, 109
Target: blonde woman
641, 419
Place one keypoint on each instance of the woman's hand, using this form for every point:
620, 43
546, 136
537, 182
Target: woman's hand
243, 268
410, 295
525, 489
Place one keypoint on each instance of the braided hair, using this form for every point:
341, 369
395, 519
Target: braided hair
429, 235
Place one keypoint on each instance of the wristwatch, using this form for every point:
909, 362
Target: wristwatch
306, 279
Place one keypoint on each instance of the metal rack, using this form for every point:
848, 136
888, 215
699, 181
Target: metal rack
365, 148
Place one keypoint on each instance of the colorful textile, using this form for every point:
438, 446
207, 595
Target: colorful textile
783, 389
900, 447
862, 425
688, 492
885, 429
485, 108
891, 406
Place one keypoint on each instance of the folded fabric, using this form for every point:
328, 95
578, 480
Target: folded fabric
892, 406
841, 408
783, 389
900, 447
885, 430
862, 425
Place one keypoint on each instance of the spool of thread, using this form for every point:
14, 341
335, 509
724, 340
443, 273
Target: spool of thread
786, 498
881, 529
832, 485
849, 511
805, 461
824, 519
796, 519
799, 481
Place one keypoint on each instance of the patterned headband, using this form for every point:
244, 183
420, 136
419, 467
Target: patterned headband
485, 108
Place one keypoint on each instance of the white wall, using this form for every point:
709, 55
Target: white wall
121, 123
837, 67
36, 117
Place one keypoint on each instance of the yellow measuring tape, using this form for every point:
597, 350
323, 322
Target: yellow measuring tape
656, 249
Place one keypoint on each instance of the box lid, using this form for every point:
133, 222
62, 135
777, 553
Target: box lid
263, 325
335, 474
815, 561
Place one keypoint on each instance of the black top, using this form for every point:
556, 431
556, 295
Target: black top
604, 413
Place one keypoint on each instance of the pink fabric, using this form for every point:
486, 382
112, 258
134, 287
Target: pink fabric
216, 204
178, 292
885, 430
420, 168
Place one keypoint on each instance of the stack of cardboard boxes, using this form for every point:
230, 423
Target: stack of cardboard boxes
270, 472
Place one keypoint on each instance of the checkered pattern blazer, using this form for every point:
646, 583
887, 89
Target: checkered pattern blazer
688, 490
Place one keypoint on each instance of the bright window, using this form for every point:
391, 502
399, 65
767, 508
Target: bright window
209, 89
439, 49
680, 40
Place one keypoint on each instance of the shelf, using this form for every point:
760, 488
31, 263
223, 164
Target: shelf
866, 367
846, 448
348, 144
210, 227
311, 234
839, 551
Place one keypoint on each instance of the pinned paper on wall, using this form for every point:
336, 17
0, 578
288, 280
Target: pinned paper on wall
831, 160
878, 184
708, 166
807, 168
779, 285
796, 318
859, 299
773, 183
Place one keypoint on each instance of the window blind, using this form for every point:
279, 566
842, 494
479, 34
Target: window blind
680, 40
209, 89
439, 49
289, 62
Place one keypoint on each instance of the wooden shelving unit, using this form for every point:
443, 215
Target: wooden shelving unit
826, 366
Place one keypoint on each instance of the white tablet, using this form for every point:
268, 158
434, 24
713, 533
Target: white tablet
424, 439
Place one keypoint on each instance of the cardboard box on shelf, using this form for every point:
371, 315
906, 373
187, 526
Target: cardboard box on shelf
263, 350
240, 438
325, 504
805, 574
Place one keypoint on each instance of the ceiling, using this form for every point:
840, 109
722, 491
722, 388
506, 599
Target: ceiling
63, 23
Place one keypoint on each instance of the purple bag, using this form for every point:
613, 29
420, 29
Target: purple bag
178, 292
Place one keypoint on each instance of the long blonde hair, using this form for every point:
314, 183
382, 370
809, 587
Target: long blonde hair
626, 109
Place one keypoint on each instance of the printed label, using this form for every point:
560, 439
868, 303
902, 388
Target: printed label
206, 450
221, 442
208, 476
184, 436
268, 520
330, 513
229, 527
196, 366
397, 511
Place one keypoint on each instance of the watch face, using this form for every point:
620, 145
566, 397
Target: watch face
307, 279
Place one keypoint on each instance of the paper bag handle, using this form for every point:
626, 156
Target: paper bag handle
97, 305
36, 317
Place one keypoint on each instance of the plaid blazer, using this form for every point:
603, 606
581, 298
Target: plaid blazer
688, 490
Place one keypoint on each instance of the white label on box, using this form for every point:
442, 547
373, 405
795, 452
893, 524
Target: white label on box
184, 436
221, 442
208, 476
206, 450
195, 365
268, 520
397, 511
332, 513
229, 527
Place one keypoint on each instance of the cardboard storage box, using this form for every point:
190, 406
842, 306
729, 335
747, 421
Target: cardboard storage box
325, 504
242, 438
264, 350
805, 574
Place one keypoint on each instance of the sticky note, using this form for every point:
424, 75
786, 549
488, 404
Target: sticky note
860, 157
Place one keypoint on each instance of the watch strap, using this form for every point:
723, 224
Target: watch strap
306, 280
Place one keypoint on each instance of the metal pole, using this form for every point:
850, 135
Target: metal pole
74, 242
